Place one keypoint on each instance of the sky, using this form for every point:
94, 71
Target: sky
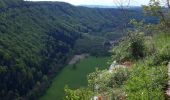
102, 2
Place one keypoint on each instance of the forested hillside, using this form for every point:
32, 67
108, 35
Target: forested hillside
37, 38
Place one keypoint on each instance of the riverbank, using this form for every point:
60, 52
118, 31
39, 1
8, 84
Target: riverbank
77, 58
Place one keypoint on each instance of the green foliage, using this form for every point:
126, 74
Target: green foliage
160, 9
113, 35
99, 81
79, 94
146, 82
103, 83
2, 4
153, 8
119, 77
137, 47
131, 48
94, 45
161, 54
148, 77
121, 52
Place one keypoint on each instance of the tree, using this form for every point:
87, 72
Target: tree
159, 8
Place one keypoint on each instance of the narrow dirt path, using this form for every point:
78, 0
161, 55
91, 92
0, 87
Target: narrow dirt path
168, 88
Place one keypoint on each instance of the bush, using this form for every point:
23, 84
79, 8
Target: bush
119, 77
146, 83
99, 81
79, 94
103, 83
163, 56
121, 52
137, 46
131, 48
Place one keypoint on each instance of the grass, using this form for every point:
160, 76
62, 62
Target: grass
161, 40
148, 77
74, 78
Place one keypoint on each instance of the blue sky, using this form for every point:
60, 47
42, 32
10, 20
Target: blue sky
102, 2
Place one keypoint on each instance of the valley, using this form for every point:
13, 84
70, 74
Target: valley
38, 39
74, 77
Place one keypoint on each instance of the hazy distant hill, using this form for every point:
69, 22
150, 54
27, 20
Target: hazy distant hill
108, 6
97, 6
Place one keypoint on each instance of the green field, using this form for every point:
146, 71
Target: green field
74, 78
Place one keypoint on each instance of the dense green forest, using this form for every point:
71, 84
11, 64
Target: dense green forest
38, 38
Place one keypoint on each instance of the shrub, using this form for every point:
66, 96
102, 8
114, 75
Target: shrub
146, 83
119, 77
132, 47
163, 56
99, 81
103, 83
121, 52
79, 94
137, 46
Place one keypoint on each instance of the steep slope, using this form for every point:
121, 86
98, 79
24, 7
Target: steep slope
36, 39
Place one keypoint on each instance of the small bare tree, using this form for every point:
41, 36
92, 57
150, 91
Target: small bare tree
123, 6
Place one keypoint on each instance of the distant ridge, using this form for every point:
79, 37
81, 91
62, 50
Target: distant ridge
97, 6
106, 6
